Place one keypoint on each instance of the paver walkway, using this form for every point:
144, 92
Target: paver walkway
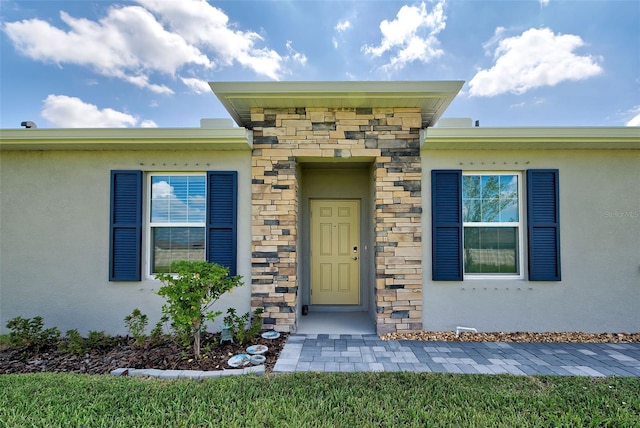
350, 353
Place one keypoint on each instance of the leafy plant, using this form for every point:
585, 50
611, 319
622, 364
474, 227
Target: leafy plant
136, 323
76, 344
31, 333
238, 325
156, 336
5, 342
99, 340
190, 293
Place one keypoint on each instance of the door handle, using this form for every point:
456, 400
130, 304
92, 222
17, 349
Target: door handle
354, 258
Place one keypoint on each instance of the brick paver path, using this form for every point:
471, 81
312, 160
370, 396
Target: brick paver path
349, 353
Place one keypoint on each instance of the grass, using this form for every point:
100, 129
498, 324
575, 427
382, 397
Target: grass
320, 399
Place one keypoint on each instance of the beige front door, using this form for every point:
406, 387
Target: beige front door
335, 252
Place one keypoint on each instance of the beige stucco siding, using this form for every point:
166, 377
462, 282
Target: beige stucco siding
54, 235
600, 248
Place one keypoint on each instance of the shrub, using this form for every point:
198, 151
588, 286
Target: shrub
238, 325
190, 293
99, 340
76, 344
156, 336
136, 324
31, 333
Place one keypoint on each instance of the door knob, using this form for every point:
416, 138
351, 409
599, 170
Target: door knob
354, 258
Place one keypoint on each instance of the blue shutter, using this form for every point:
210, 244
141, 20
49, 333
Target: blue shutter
543, 225
125, 236
446, 223
222, 207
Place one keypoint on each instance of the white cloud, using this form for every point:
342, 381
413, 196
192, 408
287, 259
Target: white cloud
198, 86
162, 189
342, 26
128, 44
534, 101
411, 36
134, 42
201, 24
71, 112
536, 58
148, 124
294, 55
635, 120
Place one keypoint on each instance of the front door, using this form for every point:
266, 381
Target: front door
335, 252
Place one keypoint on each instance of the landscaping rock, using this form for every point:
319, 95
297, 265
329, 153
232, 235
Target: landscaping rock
566, 337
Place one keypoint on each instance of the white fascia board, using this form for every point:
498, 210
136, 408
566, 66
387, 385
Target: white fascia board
126, 139
432, 97
531, 138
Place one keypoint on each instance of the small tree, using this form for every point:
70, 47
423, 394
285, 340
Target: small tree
190, 292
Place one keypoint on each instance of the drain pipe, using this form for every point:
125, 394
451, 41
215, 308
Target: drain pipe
468, 329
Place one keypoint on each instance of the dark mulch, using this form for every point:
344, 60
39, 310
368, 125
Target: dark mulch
168, 355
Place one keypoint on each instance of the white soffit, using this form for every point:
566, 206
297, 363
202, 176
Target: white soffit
432, 97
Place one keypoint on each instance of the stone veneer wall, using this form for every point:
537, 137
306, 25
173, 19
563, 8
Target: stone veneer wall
388, 135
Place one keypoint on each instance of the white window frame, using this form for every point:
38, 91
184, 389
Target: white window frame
519, 224
148, 225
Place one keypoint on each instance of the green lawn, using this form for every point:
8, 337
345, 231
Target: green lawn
320, 399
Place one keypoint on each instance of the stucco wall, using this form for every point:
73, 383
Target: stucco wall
54, 245
600, 249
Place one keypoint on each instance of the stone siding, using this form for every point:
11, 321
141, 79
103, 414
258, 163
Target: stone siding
387, 136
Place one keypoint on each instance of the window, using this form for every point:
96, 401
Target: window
177, 210
491, 224
478, 225
188, 217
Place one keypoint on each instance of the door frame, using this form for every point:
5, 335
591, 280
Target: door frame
346, 182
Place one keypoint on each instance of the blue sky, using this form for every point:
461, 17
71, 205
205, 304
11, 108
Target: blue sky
146, 63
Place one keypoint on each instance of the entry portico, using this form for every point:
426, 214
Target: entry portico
303, 134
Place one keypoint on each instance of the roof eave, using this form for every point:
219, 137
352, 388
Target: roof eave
432, 97
126, 139
532, 138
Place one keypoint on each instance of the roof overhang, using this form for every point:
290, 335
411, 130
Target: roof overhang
431, 97
126, 139
538, 138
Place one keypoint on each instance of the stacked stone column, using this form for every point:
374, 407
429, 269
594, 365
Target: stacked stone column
388, 135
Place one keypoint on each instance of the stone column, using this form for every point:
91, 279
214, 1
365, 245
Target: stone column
391, 137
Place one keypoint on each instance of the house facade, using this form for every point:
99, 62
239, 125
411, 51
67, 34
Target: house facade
329, 197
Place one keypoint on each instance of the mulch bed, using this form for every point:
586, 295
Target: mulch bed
123, 354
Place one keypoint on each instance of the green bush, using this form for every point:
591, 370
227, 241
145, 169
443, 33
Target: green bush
190, 293
99, 340
156, 337
238, 325
31, 333
76, 344
136, 324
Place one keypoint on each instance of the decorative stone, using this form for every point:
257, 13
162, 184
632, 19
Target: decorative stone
226, 335
388, 135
